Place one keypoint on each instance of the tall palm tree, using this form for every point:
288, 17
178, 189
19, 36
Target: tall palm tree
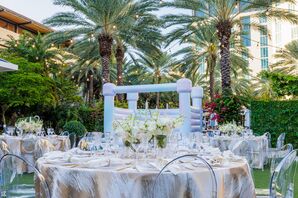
100, 20
287, 59
155, 67
224, 15
36, 49
203, 47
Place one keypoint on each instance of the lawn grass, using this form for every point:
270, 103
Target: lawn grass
262, 178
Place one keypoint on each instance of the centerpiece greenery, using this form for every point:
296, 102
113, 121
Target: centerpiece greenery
231, 128
29, 124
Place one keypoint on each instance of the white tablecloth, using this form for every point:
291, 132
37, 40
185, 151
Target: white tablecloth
259, 144
81, 175
25, 147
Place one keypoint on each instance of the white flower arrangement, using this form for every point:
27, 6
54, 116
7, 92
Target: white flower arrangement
231, 128
136, 127
30, 124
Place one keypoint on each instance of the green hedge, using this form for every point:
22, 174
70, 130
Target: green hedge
276, 117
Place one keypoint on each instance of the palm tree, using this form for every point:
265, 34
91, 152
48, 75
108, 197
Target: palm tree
224, 15
155, 67
263, 88
287, 59
203, 47
36, 49
101, 20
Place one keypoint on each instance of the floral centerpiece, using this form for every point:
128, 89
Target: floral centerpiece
29, 124
135, 129
231, 128
126, 130
164, 126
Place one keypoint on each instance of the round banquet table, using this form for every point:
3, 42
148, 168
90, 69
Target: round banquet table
259, 145
78, 175
25, 147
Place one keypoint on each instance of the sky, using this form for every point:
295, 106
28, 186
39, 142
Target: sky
39, 10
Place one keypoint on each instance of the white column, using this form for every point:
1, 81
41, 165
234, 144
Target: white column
184, 89
109, 95
197, 97
132, 99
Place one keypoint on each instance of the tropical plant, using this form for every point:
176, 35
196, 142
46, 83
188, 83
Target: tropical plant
36, 49
154, 67
104, 21
227, 107
225, 15
75, 127
203, 50
287, 59
282, 84
26, 87
263, 88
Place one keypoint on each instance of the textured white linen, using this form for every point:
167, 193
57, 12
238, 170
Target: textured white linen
108, 177
258, 143
31, 147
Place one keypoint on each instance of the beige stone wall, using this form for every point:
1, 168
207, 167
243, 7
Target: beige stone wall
4, 35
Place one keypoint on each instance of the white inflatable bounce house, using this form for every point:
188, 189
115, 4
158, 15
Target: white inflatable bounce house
190, 103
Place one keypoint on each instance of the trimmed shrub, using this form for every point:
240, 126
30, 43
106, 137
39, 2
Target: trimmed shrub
75, 127
276, 117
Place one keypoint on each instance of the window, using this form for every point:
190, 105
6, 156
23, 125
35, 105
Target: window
264, 52
263, 40
264, 63
263, 20
278, 34
246, 31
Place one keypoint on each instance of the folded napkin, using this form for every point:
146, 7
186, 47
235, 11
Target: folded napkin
96, 163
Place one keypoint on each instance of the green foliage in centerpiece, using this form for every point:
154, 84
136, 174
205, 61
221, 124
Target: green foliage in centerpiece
75, 127
161, 141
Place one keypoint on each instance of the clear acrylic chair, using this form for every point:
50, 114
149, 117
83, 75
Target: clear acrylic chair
279, 155
73, 140
268, 135
282, 180
162, 178
15, 185
64, 133
3, 148
280, 140
279, 145
243, 148
95, 135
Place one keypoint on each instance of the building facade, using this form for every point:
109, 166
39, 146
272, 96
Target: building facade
13, 24
263, 45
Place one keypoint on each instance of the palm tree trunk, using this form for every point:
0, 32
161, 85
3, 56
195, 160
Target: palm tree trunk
158, 93
105, 49
212, 64
224, 29
120, 59
91, 92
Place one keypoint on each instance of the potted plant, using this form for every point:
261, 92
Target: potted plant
75, 127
